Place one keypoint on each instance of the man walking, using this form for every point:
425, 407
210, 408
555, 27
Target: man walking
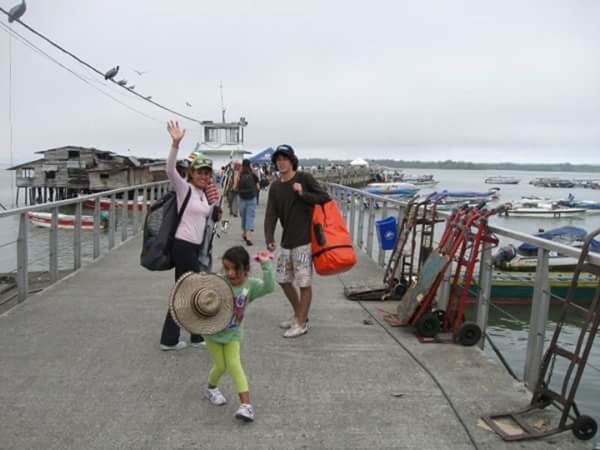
291, 200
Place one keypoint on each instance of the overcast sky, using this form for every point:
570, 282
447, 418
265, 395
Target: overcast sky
509, 80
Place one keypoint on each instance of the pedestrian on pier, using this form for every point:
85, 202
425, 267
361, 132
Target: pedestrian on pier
224, 346
247, 188
199, 186
291, 200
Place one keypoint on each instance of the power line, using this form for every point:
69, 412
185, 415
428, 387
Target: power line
89, 66
32, 46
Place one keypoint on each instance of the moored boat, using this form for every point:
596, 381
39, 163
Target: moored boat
502, 180
466, 196
392, 188
535, 207
65, 221
589, 205
105, 204
523, 258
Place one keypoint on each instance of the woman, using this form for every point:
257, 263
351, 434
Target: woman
247, 187
190, 232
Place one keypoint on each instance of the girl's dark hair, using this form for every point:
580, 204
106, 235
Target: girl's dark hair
246, 168
239, 257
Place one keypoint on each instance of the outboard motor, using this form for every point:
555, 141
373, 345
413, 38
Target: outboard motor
504, 255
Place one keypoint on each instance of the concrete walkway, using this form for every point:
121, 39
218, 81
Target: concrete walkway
80, 368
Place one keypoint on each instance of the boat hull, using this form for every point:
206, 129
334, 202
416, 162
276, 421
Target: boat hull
65, 221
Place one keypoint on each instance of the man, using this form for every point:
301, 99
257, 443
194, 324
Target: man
291, 200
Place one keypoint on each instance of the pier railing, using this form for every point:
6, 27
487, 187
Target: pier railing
117, 217
361, 209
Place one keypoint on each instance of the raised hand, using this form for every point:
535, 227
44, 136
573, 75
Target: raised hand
175, 132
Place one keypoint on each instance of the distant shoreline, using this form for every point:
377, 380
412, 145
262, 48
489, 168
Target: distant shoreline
464, 165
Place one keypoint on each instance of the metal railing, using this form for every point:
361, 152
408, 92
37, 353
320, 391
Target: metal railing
354, 201
127, 213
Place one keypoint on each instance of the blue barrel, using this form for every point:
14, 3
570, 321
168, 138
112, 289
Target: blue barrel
387, 232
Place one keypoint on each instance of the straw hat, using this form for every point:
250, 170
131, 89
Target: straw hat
202, 303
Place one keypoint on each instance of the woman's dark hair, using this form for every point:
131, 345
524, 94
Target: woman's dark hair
246, 166
239, 257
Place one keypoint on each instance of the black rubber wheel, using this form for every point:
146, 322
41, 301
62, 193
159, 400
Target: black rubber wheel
469, 334
399, 290
428, 325
440, 314
584, 428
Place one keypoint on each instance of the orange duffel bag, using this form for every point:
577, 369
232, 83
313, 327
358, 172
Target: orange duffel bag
331, 243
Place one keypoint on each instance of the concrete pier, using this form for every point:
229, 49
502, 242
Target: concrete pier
80, 368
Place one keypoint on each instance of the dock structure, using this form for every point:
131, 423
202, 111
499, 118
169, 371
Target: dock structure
81, 368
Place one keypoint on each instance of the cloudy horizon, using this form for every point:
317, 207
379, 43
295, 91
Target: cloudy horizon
515, 81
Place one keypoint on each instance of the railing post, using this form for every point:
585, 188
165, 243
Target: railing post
124, 216
96, 251
135, 212
77, 238
144, 207
22, 258
54, 246
485, 289
370, 227
381, 256
361, 222
353, 216
537, 322
112, 222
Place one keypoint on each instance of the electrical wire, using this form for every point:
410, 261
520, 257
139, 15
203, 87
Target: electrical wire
94, 69
32, 46
424, 367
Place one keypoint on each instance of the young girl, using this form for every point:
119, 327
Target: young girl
224, 347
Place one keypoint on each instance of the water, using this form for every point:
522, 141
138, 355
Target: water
508, 327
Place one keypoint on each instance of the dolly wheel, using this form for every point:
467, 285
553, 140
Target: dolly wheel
469, 334
440, 314
584, 428
399, 290
428, 325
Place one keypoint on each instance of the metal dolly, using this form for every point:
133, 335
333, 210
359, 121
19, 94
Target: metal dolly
583, 427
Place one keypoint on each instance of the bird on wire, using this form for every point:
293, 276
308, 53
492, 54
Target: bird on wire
111, 73
17, 11
131, 88
122, 82
148, 98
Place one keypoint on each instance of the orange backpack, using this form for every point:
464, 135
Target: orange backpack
331, 243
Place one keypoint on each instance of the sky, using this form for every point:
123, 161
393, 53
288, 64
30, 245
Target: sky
484, 81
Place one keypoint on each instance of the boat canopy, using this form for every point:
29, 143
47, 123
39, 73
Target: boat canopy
565, 235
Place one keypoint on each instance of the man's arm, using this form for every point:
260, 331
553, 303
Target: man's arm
313, 193
270, 220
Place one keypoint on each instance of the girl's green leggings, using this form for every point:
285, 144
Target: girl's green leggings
226, 357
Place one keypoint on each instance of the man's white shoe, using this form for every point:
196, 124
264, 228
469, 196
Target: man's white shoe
179, 346
214, 396
296, 330
245, 412
286, 324
198, 344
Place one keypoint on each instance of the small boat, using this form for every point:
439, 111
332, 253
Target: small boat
517, 287
552, 182
524, 257
417, 180
543, 208
588, 205
105, 204
502, 180
466, 196
65, 221
392, 188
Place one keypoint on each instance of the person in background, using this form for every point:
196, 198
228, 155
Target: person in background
247, 188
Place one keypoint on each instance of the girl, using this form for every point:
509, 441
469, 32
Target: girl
224, 347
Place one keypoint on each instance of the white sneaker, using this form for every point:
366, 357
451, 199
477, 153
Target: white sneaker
179, 346
198, 344
214, 396
296, 330
245, 412
287, 323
